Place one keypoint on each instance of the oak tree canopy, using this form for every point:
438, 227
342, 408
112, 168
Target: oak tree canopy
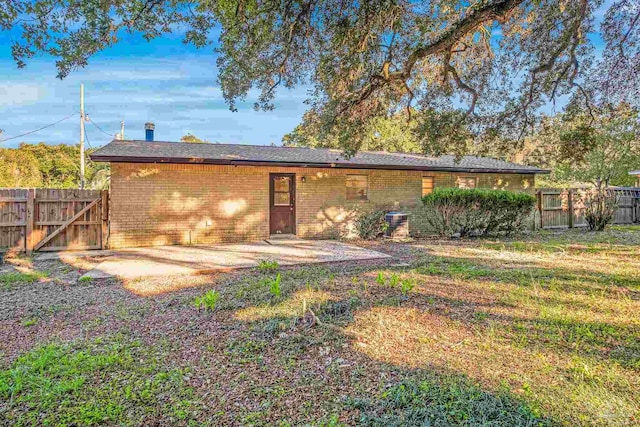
484, 66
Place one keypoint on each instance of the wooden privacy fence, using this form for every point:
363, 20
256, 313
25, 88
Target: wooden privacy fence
45, 219
565, 208
628, 205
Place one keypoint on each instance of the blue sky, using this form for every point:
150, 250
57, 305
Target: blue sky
163, 81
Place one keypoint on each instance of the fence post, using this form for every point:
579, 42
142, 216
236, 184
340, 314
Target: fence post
31, 220
570, 206
539, 196
105, 219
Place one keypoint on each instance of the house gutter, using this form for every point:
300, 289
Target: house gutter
176, 160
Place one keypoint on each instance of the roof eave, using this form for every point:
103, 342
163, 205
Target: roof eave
175, 160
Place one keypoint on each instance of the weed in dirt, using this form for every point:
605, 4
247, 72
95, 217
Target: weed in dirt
394, 280
245, 350
207, 301
450, 400
332, 421
267, 265
10, 280
380, 279
274, 285
29, 322
85, 280
406, 286
113, 381
480, 316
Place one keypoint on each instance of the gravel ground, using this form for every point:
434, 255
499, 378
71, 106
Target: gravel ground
61, 307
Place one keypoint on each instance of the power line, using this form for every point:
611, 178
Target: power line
100, 129
86, 135
39, 129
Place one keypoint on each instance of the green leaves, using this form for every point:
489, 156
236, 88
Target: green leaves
114, 381
274, 286
370, 225
207, 301
9, 280
446, 400
407, 285
267, 265
477, 211
42, 165
480, 66
472, 197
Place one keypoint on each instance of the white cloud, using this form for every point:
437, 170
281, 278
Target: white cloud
15, 94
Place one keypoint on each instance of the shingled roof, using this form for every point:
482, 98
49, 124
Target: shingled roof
257, 155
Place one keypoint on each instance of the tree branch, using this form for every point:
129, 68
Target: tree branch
443, 44
493, 11
465, 87
571, 41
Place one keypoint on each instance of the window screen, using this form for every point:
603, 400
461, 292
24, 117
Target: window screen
357, 187
467, 182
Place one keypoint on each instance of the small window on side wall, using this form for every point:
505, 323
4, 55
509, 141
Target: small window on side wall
357, 187
427, 185
467, 182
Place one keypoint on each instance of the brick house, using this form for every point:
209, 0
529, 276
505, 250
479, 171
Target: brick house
185, 193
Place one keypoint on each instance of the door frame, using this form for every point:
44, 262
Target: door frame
292, 191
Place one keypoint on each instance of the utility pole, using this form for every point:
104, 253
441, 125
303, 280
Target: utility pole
82, 136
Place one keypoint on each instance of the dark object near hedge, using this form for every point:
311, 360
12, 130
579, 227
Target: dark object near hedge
477, 211
397, 224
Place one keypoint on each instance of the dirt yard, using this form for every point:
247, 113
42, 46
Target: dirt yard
532, 331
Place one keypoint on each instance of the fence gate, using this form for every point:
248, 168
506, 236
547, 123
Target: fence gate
53, 219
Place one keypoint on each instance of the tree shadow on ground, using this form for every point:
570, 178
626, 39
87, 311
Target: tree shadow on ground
258, 372
274, 366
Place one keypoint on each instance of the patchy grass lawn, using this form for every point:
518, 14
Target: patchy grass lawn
533, 331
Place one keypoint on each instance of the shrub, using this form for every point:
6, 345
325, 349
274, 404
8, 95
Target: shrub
370, 225
207, 301
600, 209
477, 211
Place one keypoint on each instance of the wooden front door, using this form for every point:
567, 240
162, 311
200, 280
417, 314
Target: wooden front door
282, 195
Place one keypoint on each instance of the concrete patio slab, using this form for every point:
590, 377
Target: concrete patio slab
179, 260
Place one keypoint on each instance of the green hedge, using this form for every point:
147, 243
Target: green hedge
449, 211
